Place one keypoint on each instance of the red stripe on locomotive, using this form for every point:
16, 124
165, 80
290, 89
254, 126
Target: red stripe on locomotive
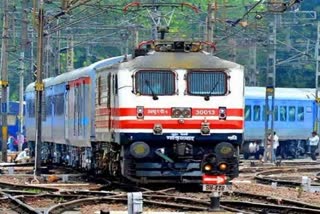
171, 124
167, 112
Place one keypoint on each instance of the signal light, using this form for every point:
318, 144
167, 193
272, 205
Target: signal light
207, 167
223, 166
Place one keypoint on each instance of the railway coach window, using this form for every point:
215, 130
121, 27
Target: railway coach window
207, 83
48, 106
151, 82
256, 113
300, 115
31, 107
283, 113
59, 104
275, 112
248, 113
292, 113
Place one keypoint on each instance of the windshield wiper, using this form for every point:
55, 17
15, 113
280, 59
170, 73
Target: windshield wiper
207, 97
154, 96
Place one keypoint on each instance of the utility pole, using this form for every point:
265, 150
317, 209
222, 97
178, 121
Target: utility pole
70, 52
252, 66
4, 80
270, 86
21, 90
23, 46
209, 29
155, 16
56, 61
39, 87
317, 56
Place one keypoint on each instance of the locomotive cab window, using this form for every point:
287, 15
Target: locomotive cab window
155, 82
207, 83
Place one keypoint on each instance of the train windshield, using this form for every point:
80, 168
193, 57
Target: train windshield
207, 83
152, 82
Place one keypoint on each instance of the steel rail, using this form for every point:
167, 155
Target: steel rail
267, 208
5, 185
282, 201
23, 206
263, 176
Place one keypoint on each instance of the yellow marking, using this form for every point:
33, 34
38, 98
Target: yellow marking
4, 83
5, 133
270, 90
39, 86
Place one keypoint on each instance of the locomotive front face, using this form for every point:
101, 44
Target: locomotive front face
182, 117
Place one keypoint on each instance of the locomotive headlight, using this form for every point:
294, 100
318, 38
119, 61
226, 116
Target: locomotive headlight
140, 112
186, 113
222, 166
175, 112
181, 112
139, 149
222, 113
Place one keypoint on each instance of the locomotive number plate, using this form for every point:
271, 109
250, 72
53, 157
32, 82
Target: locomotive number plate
216, 188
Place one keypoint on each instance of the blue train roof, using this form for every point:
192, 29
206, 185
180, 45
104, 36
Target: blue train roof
281, 93
72, 75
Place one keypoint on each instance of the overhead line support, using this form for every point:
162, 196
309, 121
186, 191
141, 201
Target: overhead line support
4, 80
39, 87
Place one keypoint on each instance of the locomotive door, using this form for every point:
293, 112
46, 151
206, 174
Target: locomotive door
109, 101
66, 112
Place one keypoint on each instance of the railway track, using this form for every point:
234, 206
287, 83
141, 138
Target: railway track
62, 201
179, 203
28, 198
28, 189
274, 175
10, 203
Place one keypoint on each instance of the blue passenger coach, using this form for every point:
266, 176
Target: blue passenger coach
12, 119
68, 108
294, 119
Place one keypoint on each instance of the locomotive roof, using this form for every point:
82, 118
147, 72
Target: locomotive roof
176, 60
72, 75
281, 93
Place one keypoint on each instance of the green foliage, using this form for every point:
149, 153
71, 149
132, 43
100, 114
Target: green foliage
93, 41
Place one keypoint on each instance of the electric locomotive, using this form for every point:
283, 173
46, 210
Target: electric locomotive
170, 114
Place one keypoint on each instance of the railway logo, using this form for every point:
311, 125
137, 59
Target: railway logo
233, 137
